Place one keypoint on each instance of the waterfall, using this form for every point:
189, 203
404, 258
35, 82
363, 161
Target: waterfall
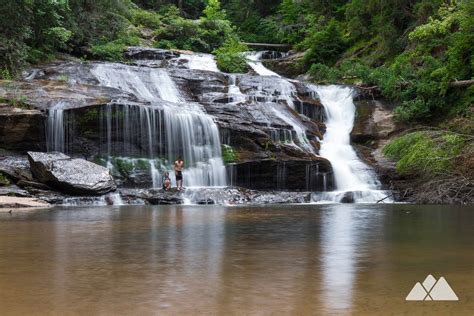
200, 61
255, 63
167, 129
56, 129
285, 92
351, 175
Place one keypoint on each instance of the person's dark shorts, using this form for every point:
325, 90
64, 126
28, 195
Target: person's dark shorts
179, 175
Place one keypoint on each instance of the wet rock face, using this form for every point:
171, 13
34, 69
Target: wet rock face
257, 116
296, 175
21, 129
145, 53
373, 122
213, 196
73, 176
44, 94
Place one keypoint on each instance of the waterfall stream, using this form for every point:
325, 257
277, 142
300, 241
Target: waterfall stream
201, 61
351, 175
147, 136
354, 180
183, 126
285, 93
56, 129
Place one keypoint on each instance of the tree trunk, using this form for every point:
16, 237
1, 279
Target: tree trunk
461, 83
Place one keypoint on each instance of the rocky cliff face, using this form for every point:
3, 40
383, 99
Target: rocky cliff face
270, 128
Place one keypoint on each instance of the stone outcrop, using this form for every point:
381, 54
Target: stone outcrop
289, 66
135, 52
292, 175
73, 176
21, 129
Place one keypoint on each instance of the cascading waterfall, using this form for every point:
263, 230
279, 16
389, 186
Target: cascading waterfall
200, 61
351, 175
257, 66
285, 92
56, 129
184, 128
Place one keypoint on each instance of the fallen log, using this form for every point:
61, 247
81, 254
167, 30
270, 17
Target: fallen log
461, 83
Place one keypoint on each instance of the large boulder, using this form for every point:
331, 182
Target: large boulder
71, 175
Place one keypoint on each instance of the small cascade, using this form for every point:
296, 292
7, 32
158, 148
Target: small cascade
284, 136
285, 94
354, 180
56, 128
201, 61
255, 63
234, 91
164, 130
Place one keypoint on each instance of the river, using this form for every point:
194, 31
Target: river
261, 260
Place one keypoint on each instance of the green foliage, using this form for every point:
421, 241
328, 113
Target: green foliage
324, 74
203, 35
325, 44
213, 11
437, 52
228, 154
180, 33
112, 51
5, 74
230, 57
425, 153
19, 102
4, 180
149, 19
57, 37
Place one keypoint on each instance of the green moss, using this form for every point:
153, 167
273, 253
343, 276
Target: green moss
142, 164
124, 166
425, 153
17, 102
228, 154
100, 161
4, 180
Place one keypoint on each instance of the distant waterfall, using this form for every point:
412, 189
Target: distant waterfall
257, 66
167, 129
200, 61
350, 173
56, 129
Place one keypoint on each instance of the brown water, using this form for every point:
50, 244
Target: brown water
275, 260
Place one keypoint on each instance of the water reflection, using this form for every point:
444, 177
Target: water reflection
338, 257
259, 260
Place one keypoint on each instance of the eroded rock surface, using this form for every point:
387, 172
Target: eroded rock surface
74, 176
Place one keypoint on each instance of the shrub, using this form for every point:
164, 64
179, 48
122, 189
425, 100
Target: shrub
230, 57
228, 154
425, 153
324, 74
145, 18
113, 51
325, 45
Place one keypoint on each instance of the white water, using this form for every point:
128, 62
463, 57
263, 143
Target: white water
183, 127
201, 61
284, 94
56, 129
350, 173
255, 63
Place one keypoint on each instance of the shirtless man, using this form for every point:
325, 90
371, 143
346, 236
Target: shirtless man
178, 169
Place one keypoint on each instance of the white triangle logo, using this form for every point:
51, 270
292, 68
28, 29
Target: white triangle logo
432, 290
